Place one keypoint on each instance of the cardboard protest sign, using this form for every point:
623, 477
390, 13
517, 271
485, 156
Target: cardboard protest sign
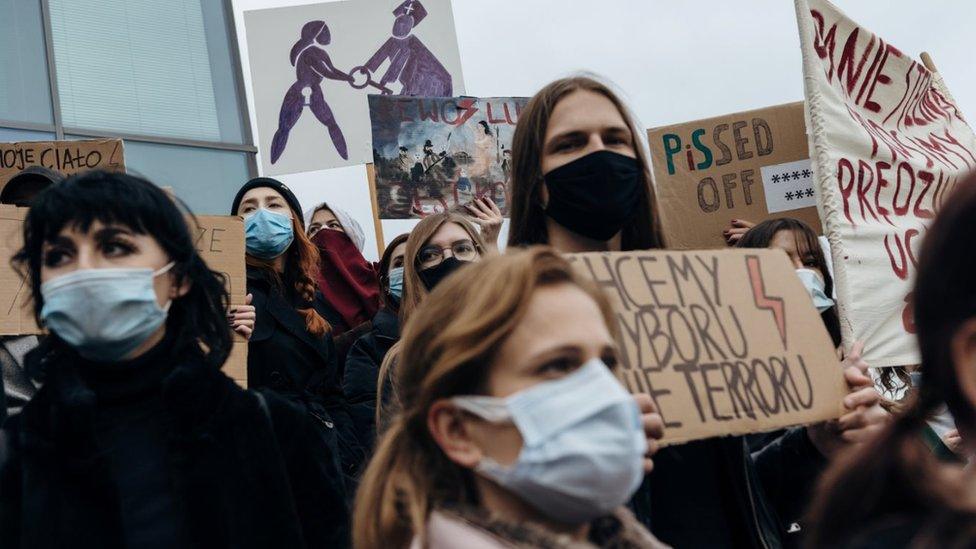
312, 67
16, 306
220, 242
433, 154
889, 143
725, 342
67, 157
751, 165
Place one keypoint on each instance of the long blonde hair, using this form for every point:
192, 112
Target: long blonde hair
448, 345
414, 292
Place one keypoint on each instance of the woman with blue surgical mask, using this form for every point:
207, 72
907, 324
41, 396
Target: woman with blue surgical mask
803, 249
366, 354
136, 438
291, 350
514, 431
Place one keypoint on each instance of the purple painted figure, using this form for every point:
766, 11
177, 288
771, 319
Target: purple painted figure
312, 65
411, 63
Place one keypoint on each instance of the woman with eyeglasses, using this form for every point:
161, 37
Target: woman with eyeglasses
438, 246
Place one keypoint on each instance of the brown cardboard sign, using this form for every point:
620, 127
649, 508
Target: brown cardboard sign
752, 165
67, 157
725, 342
16, 310
219, 240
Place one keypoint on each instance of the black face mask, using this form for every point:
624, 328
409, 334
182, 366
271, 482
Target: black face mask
433, 276
595, 195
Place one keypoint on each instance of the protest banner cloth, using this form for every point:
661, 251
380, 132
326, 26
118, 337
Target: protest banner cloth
888, 144
436, 154
752, 165
219, 239
67, 157
725, 342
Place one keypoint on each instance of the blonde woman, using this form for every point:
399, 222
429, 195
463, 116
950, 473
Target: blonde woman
438, 246
514, 431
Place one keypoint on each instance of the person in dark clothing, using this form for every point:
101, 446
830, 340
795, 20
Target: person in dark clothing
137, 439
18, 387
581, 183
366, 355
893, 491
291, 350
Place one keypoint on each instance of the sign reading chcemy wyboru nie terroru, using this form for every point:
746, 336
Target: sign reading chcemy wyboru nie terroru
725, 342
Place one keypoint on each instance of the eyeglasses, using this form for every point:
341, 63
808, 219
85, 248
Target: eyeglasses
432, 256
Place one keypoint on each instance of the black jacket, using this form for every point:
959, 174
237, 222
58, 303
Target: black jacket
716, 493
363, 370
240, 474
284, 357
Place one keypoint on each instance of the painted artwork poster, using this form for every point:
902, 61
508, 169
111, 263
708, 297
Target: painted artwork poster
436, 154
312, 67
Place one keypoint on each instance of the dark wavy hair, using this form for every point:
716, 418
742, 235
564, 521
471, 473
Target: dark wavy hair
763, 233
895, 476
198, 320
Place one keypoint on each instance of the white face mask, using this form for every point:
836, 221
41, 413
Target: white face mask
583, 444
104, 314
814, 284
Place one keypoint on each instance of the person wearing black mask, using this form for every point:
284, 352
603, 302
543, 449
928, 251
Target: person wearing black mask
437, 247
137, 439
581, 183
18, 386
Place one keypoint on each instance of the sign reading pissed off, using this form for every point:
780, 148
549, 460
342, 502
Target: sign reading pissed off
751, 166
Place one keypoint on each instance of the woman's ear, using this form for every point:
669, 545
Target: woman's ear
180, 286
963, 352
448, 428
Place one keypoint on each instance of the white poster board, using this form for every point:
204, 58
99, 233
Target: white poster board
313, 66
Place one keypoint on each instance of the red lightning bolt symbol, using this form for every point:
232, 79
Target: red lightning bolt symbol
468, 104
763, 301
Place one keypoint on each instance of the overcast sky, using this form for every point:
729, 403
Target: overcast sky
675, 61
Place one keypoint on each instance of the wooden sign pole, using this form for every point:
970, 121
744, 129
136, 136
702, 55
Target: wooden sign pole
377, 224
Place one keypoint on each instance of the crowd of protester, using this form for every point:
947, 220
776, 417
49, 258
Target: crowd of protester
450, 395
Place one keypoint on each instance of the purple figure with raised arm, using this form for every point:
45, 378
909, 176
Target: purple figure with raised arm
312, 64
411, 63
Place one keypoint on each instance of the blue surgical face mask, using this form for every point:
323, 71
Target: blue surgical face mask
815, 287
583, 445
267, 234
396, 282
104, 314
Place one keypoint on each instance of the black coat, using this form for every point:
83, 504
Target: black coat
238, 480
758, 494
283, 356
362, 373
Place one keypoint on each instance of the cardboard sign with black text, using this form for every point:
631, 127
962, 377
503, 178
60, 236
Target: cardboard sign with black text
219, 240
725, 342
752, 165
67, 157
